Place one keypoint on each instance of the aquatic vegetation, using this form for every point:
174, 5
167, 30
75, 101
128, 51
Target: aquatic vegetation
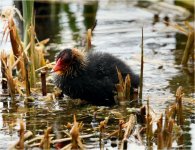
75, 135
119, 126
22, 58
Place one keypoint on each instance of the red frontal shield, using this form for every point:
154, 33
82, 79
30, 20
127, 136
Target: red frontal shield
58, 66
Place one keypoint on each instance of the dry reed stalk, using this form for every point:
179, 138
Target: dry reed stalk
143, 114
17, 46
45, 142
179, 95
149, 126
170, 135
18, 51
120, 77
120, 94
129, 127
27, 82
142, 66
166, 126
4, 81
76, 140
9, 77
127, 87
160, 140
32, 56
189, 49
89, 37
102, 127
120, 131
38, 138
167, 117
21, 141
89, 34
123, 88
40, 60
172, 111
43, 83
16, 145
49, 65
69, 138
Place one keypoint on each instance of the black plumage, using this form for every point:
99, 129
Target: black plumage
90, 76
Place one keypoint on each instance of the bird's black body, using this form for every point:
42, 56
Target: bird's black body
94, 79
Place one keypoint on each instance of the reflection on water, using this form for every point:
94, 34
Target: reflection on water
89, 14
118, 31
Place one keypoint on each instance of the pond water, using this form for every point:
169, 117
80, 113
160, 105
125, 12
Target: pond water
118, 31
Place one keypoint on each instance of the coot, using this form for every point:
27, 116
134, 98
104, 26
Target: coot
90, 76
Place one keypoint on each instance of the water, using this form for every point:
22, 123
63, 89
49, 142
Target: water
118, 31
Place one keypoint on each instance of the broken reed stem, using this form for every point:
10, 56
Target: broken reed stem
123, 88
89, 34
143, 114
17, 47
4, 82
169, 130
142, 67
179, 95
45, 142
148, 126
32, 55
160, 140
74, 132
120, 77
18, 51
43, 83
120, 131
9, 77
120, 94
89, 37
26, 136
180, 112
101, 129
27, 75
130, 125
21, 141
188, 49
127, 87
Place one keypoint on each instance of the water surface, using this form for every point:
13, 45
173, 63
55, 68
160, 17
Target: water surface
118, 32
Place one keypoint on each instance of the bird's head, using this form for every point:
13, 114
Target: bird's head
69, 61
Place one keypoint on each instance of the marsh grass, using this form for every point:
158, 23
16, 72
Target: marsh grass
8, 75
25, 57
123, 88
45, 142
